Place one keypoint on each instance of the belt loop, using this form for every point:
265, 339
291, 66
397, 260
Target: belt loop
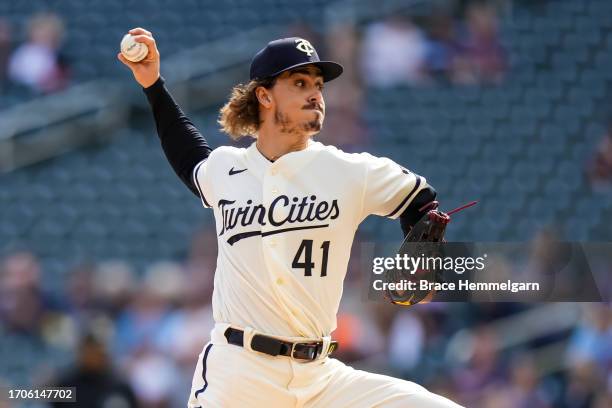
249, 332
326, 344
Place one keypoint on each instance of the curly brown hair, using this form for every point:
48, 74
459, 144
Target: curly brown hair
239, 117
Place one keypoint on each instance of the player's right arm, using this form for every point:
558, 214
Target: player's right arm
184, 146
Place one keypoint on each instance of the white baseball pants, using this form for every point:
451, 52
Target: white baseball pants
231, 376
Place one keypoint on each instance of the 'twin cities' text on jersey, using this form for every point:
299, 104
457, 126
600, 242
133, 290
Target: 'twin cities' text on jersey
285, 230
301, 209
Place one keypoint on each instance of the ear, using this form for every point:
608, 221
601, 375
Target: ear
263, 96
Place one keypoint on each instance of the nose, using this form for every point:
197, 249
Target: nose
316, 97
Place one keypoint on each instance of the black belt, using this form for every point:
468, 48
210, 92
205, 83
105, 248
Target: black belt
274, 347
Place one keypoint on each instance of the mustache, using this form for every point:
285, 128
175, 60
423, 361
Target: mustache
314, 106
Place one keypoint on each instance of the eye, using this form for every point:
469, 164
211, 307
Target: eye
320, 86
299, 82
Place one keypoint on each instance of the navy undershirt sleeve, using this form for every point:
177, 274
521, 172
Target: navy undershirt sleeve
411, 214
183, 145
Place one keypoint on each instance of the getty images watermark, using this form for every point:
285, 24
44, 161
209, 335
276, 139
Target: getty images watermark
411, 266
490, 272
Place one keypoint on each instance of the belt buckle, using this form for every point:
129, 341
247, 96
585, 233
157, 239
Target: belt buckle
293, 351
319, 350
333, 346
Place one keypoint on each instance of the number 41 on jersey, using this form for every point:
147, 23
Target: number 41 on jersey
305, 249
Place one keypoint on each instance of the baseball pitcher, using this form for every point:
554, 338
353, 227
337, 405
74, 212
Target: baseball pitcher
286, 210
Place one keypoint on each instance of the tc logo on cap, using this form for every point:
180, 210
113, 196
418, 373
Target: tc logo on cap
304, 46
288, 53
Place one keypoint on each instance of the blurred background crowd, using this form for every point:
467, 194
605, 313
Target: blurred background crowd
107, 260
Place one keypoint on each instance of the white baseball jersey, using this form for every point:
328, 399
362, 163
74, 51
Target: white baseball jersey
285, 230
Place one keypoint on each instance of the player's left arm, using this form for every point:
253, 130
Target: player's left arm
412, 214
394, 192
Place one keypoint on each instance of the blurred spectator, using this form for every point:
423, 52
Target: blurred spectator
483, 369
603, 399
5, 50
154, 379
407, 328
98, 384
114, 284
483, 58
583, 384
599, 170
81, 293
393, 53
591, 342
523, 389
190, 321
38, 64
84, 310
166, 279
143, 322
589, 356
442, 47
22, 303
189, 326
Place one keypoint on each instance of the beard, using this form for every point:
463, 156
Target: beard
316, 124
286, 125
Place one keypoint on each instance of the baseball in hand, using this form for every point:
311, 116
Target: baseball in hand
132, 50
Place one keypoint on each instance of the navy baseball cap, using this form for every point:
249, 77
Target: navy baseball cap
288, 53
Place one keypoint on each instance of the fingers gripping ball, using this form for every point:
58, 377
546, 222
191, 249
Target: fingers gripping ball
132, 50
